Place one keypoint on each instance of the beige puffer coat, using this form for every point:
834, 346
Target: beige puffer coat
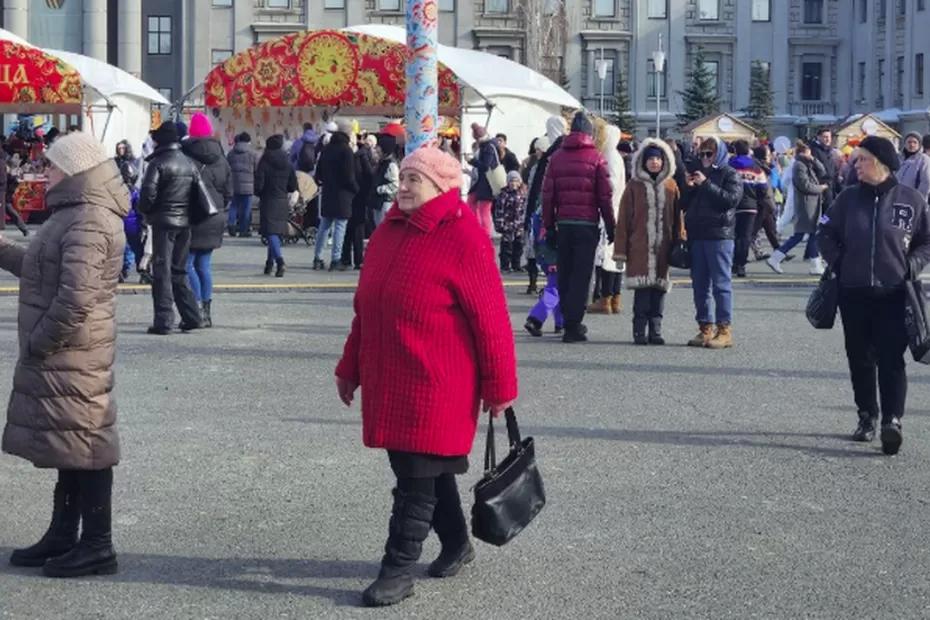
61, 413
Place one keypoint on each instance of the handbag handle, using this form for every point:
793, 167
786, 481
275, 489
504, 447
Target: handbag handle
513, 434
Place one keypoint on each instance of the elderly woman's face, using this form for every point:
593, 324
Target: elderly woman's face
415, 190
867, 168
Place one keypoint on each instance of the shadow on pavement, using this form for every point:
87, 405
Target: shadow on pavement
259, 575
722, 439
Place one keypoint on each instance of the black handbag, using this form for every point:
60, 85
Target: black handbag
202, 203
822, 304
915, 321
679, 255
511, 493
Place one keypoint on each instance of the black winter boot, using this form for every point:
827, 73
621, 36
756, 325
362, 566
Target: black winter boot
449, 524
205, 312
865, 431
93, 554
534, 327
269, 265
279, 272
575, 333
62, 534
639, 330
655, 331
891, 436
411, 517
533, 272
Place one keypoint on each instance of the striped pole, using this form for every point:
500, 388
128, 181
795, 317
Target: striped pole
421, 111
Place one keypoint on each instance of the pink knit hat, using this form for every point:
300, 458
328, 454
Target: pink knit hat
200, 127
478, 131
440, 168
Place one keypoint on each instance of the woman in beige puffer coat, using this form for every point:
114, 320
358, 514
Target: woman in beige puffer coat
61, 413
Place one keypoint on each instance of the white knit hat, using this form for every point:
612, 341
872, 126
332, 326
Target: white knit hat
76, 152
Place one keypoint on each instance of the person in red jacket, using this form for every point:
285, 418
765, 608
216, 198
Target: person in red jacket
576, 195
431, 341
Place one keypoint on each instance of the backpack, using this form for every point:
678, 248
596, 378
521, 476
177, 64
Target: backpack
306, 159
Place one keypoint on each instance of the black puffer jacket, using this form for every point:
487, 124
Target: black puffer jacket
208, 155
365, 167
167, 187
710, 208
876, 236
274, 180
335, 173
829, 175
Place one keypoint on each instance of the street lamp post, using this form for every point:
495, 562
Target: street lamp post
601, 67
658, 63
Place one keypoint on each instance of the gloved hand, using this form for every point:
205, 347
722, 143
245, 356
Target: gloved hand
621, 265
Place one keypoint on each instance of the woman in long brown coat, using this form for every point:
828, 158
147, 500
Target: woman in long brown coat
649, 222
61, 414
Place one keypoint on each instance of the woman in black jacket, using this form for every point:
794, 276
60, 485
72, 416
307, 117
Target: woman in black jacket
335, 174
207, 154
275, 179
875, 237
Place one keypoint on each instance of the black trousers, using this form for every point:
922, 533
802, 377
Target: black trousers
577, 247
765, 220
745, 221
511, 253
875, 344
170, 285
448, 518
354, 243
648, 310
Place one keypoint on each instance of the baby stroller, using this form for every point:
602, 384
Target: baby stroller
300, 225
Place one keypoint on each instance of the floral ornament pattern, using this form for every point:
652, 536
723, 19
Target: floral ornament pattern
323, 68
423, 84
30, 76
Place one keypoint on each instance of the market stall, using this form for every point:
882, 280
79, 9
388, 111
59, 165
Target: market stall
858, 127
310, 76
724, 126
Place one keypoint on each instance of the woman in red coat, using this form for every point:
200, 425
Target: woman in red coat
431, 343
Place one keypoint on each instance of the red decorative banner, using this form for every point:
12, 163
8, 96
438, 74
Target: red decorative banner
322, 68
29, 76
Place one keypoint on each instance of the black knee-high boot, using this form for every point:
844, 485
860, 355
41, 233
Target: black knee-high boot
93, 554
533, 271
411, 517
449, 524
62, 533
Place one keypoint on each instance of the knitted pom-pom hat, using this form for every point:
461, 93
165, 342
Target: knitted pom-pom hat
76, 152
438, 167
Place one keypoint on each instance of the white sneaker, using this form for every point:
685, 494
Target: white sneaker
817, 267
774, 261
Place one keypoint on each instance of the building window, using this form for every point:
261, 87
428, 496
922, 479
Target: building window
899, 76
881, 10
713, 66
280, 4
218, 56
902, 7
813, 11
921, 5
761, 10
166, 93
811, 79
222, 3
605, 8
861, 83
863, 11
919, 74
881, 82
334, 4
497, 6
447, 6
653, 84
159, 35
656, 9
389, 5
708, 9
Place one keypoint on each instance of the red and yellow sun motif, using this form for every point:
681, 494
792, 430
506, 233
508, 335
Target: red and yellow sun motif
328, 65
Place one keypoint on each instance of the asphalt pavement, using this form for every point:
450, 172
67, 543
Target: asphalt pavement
682, 483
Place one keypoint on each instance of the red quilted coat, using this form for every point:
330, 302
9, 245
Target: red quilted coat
577, 184
431, 334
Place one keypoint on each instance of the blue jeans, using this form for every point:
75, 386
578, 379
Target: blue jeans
200, 273
129, 258
339, 235
241, 210
711, 275
274, 249
811, 251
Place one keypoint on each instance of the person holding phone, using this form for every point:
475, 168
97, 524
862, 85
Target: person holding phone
712, 192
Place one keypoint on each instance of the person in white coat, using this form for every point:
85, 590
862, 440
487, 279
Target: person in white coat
609, 273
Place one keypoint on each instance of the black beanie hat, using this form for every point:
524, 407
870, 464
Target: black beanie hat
760, 152
582, 124
166, 134
883, 150
652, 151
275, 142
244, 137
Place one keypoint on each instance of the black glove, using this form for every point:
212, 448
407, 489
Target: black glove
552, 239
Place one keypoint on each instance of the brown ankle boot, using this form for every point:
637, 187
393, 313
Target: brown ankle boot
704, 336
601, 306
616, 304
723, 339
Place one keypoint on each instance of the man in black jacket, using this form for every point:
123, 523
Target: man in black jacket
509, 158
164, 200
711, 196
822, 150
335, 173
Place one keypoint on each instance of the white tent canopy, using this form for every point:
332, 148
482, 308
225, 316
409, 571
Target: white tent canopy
107, 79
488, 75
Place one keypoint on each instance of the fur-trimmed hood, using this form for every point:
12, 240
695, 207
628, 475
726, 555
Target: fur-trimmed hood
668, 169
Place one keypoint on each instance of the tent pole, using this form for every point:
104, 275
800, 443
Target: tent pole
421, 110
107, 123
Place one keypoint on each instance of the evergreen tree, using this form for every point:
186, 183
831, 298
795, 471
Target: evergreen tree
621, 107
761, 105
700, 95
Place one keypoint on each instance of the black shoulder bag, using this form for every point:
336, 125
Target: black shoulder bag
202, 203
511, 493
823, 302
